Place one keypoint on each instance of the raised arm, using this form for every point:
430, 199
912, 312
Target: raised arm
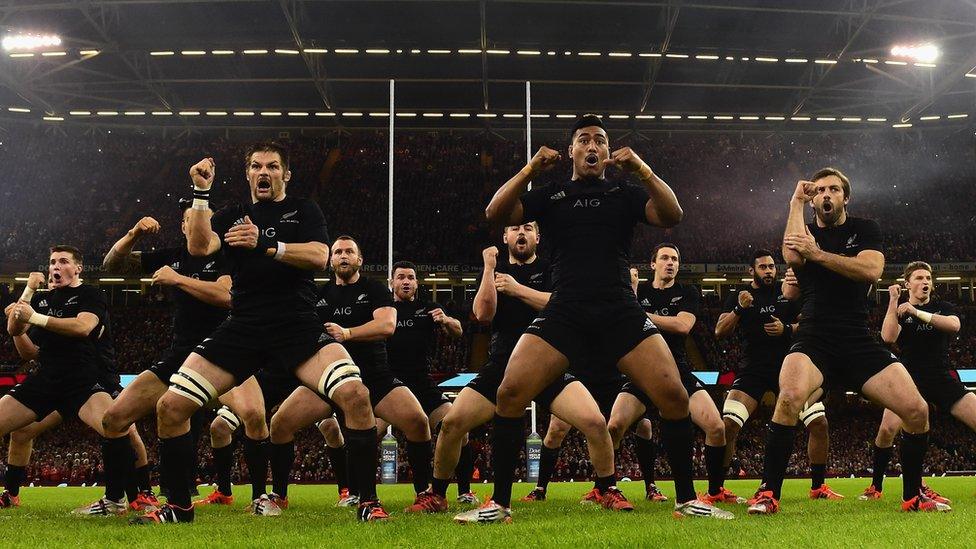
451, 326
216, 293
505, 207
727, 322
506, 284
680, 324
486, 298
201, 240
944, 323
890, 329
120, 257
805, 191
379, 328
791, 287
662, 208
78, 326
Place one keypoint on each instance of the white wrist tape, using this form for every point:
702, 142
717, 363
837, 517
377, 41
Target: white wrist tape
200, 204
37, 319
201, 198
27, 295
280, 251
924, 316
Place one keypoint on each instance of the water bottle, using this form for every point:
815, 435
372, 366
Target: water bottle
533, 454
388, 449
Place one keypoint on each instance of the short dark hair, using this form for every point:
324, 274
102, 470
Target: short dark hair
586, 121
916, 266
266, 146
828, 171
761, 253
403, 265
664, 245
351, 239
533, 223
75, 252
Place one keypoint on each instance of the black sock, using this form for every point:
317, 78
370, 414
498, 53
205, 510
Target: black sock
282, 460
14, 479
646, 452
913, 448
464, 470
714, 455
439, 486
256, 459
175, 457
779, 446
362, 461
547, 464
337, 458
419, 456
224, 463
506, 439
602, 483
143, 482
677, 437
118, 460
818, 474
882, 457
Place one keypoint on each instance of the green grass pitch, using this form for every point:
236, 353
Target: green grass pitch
44, 521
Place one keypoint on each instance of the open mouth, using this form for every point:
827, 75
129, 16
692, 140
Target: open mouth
591, 160
521, 241
56, 277
827, 206
264, 185
925, 289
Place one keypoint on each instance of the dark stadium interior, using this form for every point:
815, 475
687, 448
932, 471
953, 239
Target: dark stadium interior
91, 142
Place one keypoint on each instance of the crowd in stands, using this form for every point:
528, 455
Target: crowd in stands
88, 190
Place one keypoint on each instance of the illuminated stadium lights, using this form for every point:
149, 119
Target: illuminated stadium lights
134, 113
971, 75
767, 59
193, 52
222, 52
216, 113
638, 117
723, 279
30, 41
694, 117
774, 118
707, 57
18, 109
254, 52
947, 278
620, 54
436, 279
438, 52
376, 51
489, 115
850, 119
415, 51
297, 113
463, 115
890, 62
957, 116
931, 117
826, 118
800, 118
550, 53
107, 113
352, 114
539, 116
676, 55
498, 52
748, 117
565, 116
649, 55
925, 53
20, 55
589, 54
928, 65
285, 52
325, 113
745, 58
468, 51
189, 113
433, 115
528, 52
670, 117
904, 125
379, 114
315, 50
88, 52
406, 115
877, 119
53, 118
162, 113
79, 113
825, 61
270, 113
346, 50
796, 60
729, 58
243, 113
722, 117
162, 53
870, 61
512, 115
54, 54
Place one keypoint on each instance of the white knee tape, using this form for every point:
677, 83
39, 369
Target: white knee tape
229, 417
338, 373
735, 411
812, 412
192, 385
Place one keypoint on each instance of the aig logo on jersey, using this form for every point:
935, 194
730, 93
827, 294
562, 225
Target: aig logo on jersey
587, 203
408, 323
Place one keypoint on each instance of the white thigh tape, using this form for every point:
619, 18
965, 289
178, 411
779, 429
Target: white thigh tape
812, 412
339, 372
736, 411
229, 417
192, 385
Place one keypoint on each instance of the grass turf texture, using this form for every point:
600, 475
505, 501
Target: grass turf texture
312, 520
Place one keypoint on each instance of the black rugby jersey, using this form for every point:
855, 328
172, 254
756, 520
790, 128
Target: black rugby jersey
193, 319
669, 302
767, 302
923, 348
352, 305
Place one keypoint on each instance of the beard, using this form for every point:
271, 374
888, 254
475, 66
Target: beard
522, 254
763, 281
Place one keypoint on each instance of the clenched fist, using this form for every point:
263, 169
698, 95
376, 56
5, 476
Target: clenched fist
35, 280
894, 292
490, 255
745, 299
805, 191
165, 276
146, 225
544, 160
625, 159
202, 173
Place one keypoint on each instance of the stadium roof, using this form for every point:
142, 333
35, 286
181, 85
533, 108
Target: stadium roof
297, 63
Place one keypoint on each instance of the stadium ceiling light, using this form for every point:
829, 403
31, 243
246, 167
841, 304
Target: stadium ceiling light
729, 58
20, 55
415, 51
930, 117
469, 51
957, 116
676, 55
748, 117
193, 52
221, 52
707, 57
474, 279
722, 117
30, 41
620, 54
619, 116
438, 52
540, 115
971, 75
254, 52
243, 113
723, 279
745, 58
377, 51
162, 53
498, 52
433, 115
796, 60
111, 279
406, 114
927, 65
325, 113
107, 113
800, 118
565, 116
550, 53
270, 113
346, 50
890, 62
315, 50
528, 52
904, 125
436, 279
825, 61
53, 118
640, 116
589, 54
869, 61
286, 51
947, 278
379, 114
162, 113
486, 115
54, 54
322, 279
850, 119
877, 119
694, 117
462, 115
189, 113
216, 113
79, 113
18, 109
353, 114
767, 59
88, 52
512, 115
925, 53
745, 280
649, 55
774, 118
670, 117
826, 118
134, 113
297, 113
